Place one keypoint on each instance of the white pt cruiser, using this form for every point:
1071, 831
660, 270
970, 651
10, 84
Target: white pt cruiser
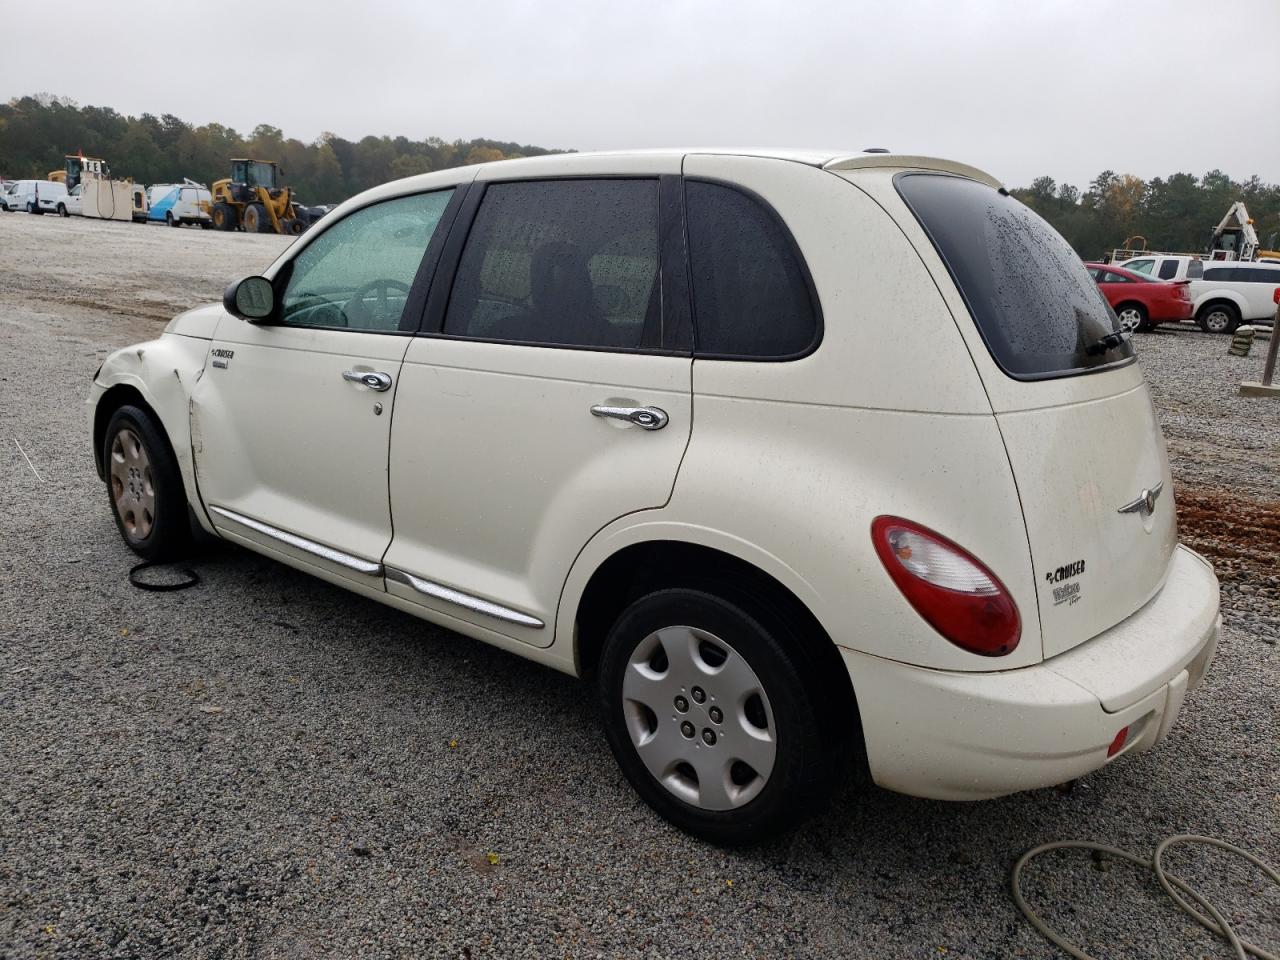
799, 456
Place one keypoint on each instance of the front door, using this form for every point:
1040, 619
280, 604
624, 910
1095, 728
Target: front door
291, 418
553, 403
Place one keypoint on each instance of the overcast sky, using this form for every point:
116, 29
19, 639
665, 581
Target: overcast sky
1058, 87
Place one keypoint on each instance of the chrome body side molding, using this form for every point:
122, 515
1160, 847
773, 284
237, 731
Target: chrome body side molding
358, 564
439, 591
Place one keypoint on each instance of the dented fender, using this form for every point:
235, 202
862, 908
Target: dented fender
164, 372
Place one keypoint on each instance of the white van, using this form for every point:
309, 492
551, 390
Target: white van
179, 203
35, 196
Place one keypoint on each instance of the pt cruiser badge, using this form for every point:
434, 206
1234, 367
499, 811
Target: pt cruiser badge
1146, 502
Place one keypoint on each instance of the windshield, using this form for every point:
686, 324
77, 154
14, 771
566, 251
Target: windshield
254, 173
1031, 298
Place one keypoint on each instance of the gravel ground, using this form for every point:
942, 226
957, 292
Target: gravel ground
267, 766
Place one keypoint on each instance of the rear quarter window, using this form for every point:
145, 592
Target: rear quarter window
1168, 269
1030, 296
751, 293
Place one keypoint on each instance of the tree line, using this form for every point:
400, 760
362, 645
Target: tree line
1174, 213
38, 131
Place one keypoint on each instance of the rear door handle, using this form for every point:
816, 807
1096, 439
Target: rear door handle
374, 381
646, 418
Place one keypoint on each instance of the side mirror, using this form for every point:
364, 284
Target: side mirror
252, 299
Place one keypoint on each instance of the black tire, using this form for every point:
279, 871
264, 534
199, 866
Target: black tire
62, 210
168, 535
1218, 317
169, 219
806, 758
294, 227
256, 219
33, 207
1133, 317
206, 225
224, 216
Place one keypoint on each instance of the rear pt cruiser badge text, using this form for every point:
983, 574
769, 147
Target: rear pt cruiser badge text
1064, 591
222, 358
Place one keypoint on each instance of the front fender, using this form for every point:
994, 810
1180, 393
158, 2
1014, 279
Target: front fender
163, 372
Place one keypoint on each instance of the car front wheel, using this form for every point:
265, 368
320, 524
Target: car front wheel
144, 486
712, 717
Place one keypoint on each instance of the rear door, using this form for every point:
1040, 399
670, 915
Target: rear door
1077, 420
552, 397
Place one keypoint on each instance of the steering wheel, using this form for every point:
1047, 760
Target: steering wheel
381, 315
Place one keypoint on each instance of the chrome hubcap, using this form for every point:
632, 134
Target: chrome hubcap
699, 718
132, 489
1129, 319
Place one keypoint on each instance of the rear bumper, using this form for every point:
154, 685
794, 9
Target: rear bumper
969, 736
1171, 311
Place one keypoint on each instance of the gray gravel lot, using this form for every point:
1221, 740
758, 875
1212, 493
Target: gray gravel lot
266, 766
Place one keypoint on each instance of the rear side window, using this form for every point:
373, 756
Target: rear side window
561, 262
751, 297
1168, 269
1221, 274
1029, 293
1260, 275
1195, 269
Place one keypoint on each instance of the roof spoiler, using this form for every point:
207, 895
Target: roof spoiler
862, 161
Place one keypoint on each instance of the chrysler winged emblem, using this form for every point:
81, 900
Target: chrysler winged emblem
1146, 502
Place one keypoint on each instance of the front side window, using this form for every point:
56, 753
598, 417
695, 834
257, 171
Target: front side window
750, 296
1140, 266
1028, 292
561, 262
356, 275
1168, 269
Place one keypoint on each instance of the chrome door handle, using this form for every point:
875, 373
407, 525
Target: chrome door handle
374, 381
646, 418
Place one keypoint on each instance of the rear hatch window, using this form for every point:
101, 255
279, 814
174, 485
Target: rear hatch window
1038, 311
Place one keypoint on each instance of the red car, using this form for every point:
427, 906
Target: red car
1140, 301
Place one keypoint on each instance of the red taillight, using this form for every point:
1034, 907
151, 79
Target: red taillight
948, 586
1180, 290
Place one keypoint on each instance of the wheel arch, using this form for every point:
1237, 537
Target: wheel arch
666, 559
157, 377
1227, 297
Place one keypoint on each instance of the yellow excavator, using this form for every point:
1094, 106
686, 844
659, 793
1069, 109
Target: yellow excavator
252, 200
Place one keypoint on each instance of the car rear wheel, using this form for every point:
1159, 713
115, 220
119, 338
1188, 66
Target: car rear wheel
711, 717
1132, 317
1219, 318
168, 218
144, 486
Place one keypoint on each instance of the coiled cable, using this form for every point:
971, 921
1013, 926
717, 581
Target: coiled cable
1215, 922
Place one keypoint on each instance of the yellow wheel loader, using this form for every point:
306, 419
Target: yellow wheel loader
251, 200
